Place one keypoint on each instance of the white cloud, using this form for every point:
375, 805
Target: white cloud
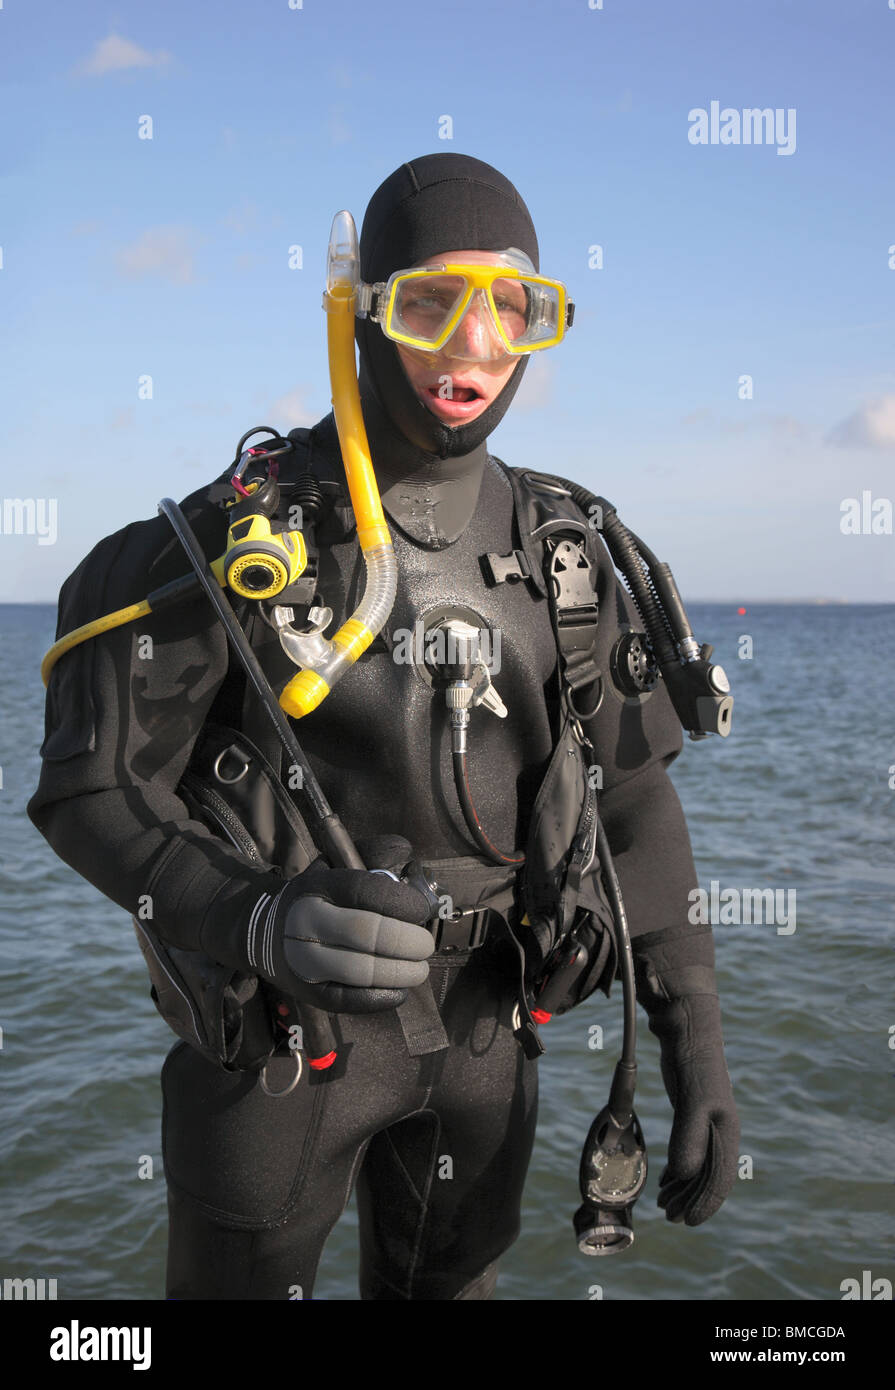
164, 251
115, 54
870, 427
291, 410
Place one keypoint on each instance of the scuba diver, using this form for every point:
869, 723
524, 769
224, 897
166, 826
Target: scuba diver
360, 937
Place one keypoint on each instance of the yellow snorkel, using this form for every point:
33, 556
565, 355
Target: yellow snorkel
324, 660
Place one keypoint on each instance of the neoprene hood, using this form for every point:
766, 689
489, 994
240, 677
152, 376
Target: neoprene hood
440, 202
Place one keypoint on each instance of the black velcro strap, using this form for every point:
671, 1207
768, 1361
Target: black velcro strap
421, 1022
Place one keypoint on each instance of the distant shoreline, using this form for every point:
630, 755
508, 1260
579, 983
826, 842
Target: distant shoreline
715, 602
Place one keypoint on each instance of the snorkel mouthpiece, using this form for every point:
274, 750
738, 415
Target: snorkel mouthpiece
323, 660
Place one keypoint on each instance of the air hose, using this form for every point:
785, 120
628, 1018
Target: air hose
470, 815
179, 589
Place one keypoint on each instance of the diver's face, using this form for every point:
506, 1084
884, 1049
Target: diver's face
460, 382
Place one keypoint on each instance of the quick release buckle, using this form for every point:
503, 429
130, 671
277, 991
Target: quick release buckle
461, 931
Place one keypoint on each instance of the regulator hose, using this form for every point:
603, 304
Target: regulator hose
470, 815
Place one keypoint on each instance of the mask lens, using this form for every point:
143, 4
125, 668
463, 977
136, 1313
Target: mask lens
423, 305
513, 302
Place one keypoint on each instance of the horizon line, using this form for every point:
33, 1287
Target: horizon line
818, 602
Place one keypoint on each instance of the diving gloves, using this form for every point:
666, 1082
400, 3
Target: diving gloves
341, 940
677, 988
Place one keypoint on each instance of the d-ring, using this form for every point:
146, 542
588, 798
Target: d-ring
292, 1084
237, 752
591, 712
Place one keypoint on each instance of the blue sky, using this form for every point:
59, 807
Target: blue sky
169, 257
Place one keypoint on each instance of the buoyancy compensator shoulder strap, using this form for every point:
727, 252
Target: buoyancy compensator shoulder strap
557, 555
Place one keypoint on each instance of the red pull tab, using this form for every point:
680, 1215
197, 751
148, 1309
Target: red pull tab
321, 1063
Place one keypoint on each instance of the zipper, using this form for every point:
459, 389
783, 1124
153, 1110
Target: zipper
216, 807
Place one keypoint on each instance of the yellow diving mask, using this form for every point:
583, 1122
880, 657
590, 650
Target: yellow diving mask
518, 310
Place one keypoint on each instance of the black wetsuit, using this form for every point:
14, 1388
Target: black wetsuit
256, 1182
439, 1144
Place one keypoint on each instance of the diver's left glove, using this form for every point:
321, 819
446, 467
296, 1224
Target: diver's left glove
677, 988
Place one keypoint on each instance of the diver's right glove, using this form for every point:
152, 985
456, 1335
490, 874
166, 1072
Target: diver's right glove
341, 940
676, 985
